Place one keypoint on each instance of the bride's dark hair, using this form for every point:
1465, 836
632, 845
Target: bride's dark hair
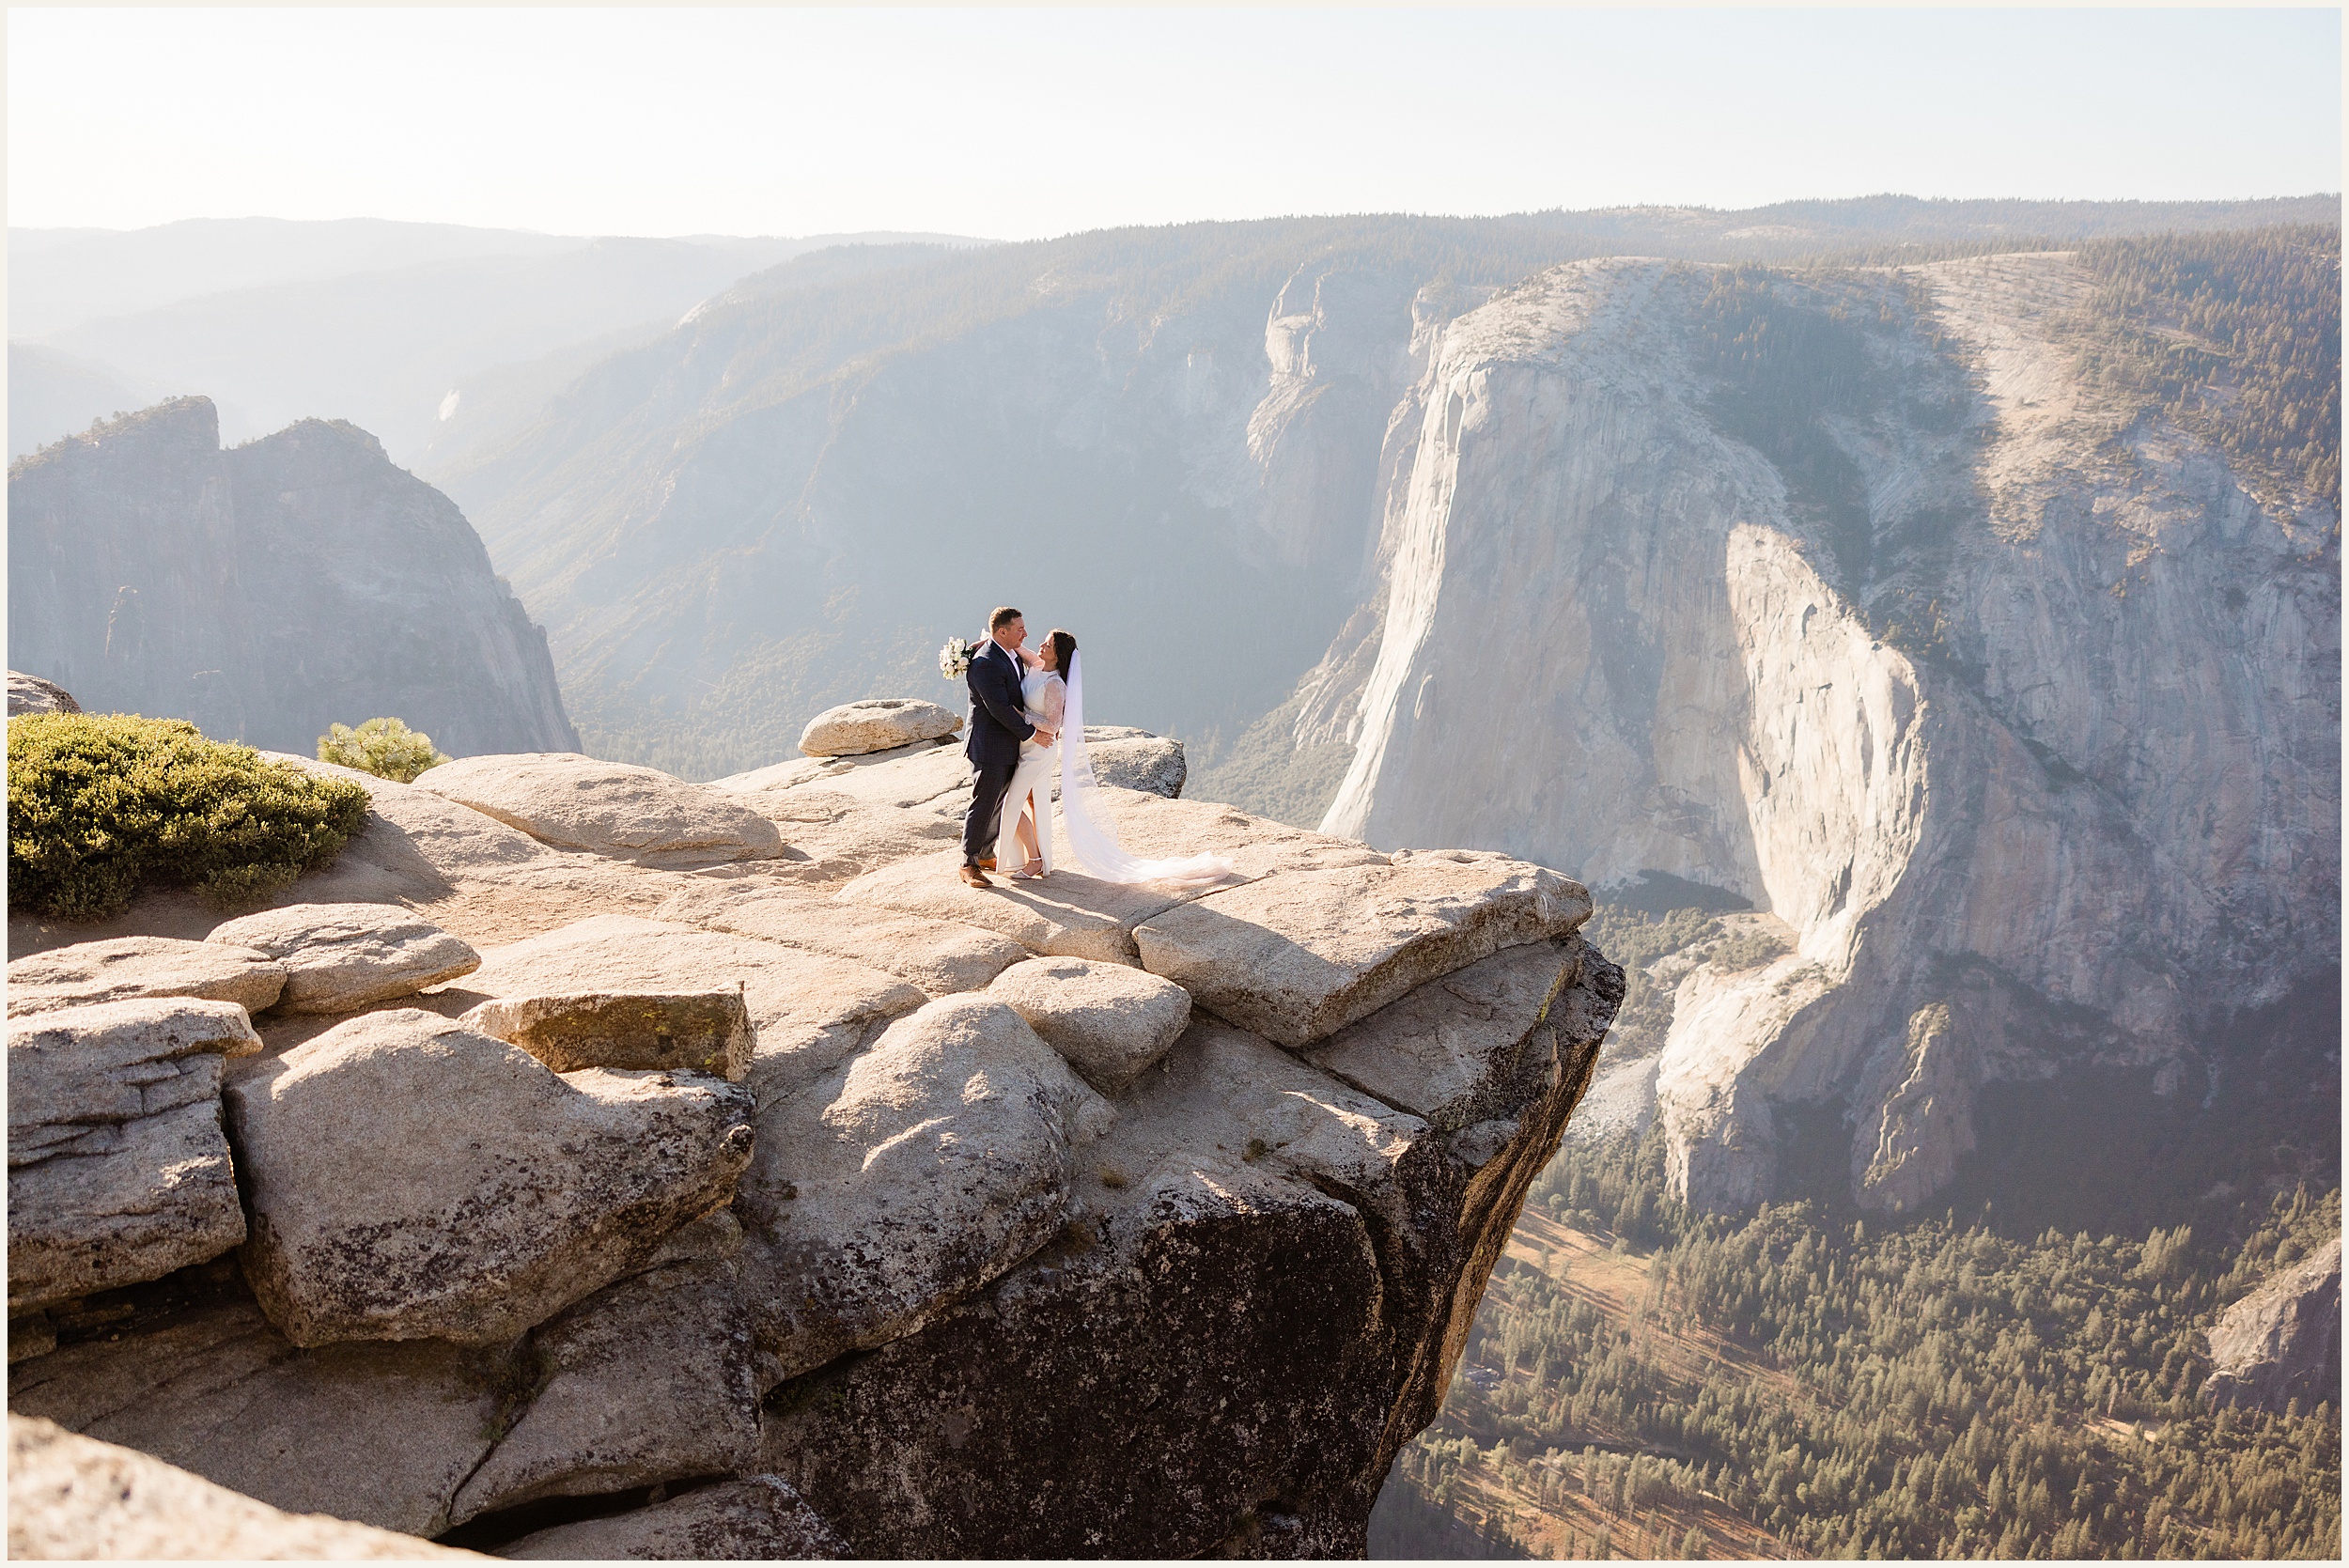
1063, 649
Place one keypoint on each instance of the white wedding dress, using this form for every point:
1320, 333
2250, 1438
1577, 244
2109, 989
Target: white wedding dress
1044, 697
1092, 842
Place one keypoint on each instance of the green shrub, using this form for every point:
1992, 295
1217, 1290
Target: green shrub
101, 803
386, 747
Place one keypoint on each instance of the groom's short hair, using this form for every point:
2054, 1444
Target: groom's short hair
1003, 618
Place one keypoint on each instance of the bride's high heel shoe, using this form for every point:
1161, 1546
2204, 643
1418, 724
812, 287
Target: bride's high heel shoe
1032, 872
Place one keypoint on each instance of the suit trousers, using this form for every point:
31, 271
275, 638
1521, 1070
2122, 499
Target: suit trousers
1034, 777
987, 789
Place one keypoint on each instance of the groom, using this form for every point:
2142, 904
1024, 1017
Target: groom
997, 726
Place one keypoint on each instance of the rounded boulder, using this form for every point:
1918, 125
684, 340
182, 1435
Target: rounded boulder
876, 724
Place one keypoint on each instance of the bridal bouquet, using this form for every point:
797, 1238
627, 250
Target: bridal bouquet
954, 659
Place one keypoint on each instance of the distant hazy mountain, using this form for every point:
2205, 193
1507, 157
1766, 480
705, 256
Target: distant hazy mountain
374, 323
484, 410
267, 591
53, 394
60, 277
1787, 229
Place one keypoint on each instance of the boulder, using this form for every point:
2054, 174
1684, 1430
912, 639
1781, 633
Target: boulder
607, 808
648, 1380
908, 1178
472, 874
32, 694
810, 1011
941, 956
875, 724
408, 1177
121, 968
1458, 1051
1108, 1020
343, 957
1299, 956
433, 855
117, 1169
71, 1496
2282, 1342
758, 1518
704, 1032
382, 1434
1136, 759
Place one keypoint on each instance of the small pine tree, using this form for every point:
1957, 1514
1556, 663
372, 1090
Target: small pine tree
386, 747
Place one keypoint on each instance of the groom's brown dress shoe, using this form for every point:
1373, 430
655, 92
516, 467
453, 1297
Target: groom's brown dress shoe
975, 877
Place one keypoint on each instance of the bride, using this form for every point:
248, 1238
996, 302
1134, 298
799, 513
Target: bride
1052, 692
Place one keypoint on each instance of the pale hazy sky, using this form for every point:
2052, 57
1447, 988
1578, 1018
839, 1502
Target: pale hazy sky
1024, 123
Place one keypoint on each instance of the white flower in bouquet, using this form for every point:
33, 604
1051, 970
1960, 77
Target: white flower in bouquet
954, 659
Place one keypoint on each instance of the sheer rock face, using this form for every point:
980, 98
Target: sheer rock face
2282, 1342
888, 1292
267, 591
2027, 709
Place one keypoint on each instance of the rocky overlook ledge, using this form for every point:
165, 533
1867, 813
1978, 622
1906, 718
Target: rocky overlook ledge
594, 1164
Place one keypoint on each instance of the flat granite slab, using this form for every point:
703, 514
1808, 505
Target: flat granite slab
941, 956
121, 968
811, 1010
1072, 915
1297, 956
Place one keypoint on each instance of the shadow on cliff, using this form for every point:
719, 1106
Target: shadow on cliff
2102, 1151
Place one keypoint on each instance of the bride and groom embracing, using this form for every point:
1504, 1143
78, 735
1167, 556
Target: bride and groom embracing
1027, 726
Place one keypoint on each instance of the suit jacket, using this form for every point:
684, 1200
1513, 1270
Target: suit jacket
997, 724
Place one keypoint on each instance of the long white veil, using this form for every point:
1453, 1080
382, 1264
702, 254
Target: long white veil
1092, 842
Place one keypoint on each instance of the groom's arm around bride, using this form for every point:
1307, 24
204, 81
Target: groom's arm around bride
997, 726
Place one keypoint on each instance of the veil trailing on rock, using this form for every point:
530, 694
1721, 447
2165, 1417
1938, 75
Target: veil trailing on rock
1092, 842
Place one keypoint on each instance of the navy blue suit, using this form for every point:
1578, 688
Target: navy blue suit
996, 729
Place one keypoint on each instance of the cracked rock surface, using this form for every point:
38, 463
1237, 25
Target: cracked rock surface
1062, 1219
117, 1169
410, 1178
